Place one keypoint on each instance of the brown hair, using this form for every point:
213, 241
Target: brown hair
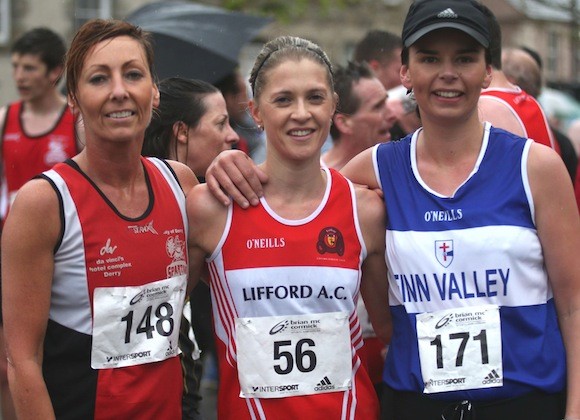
95, 31
284, 48
377, 45
345, 78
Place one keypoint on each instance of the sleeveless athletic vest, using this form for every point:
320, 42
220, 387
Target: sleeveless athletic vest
104, 250
268, 267
26, 156
477, 247
528, 111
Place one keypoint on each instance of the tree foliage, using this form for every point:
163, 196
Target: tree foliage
284, 10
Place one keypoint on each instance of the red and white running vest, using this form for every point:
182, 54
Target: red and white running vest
24, 156
528, 111
284, 296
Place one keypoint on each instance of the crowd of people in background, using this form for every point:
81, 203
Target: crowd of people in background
393, 237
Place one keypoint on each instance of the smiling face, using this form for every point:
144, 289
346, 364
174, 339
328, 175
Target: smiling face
446, 71
115, 92
295, 108
212, 135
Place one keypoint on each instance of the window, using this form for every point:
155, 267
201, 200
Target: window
91, 9
4, 22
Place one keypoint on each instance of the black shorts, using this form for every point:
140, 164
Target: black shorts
397, 405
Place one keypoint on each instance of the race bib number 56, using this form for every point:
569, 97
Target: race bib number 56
137, 324
281, 356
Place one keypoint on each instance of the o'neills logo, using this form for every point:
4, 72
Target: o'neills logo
330, 240
264, 243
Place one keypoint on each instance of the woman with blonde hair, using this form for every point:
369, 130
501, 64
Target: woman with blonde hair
285, 276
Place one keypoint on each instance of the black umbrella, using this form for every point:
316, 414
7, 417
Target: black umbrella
196, 41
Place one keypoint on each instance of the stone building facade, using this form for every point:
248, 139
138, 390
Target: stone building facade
524, 22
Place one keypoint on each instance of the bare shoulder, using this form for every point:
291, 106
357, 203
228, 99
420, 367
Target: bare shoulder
360, 169
370, 206
546, 171
35, 212
556, 211
492, 103
201, 202
185, 175
543, 158
499, 114
207, 217
36, 195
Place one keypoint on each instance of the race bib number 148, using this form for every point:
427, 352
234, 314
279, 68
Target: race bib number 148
137, 324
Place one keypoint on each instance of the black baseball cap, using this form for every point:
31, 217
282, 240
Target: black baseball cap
425, 16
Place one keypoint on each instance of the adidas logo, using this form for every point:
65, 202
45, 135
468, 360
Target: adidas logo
492, 375
324, 385
492, 378
447, 14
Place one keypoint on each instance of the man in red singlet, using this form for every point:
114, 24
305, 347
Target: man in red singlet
506, 105
37, 132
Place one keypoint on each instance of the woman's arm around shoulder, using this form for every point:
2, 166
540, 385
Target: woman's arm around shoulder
233, 173
558, 226
374, 283
207, 220
29, 237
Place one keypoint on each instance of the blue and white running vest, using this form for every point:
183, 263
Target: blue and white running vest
476, 248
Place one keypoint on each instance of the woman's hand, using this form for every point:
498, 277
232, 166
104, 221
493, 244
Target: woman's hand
233, 174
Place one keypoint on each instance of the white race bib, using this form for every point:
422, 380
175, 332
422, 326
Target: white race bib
281, 356
134, 325
460, 348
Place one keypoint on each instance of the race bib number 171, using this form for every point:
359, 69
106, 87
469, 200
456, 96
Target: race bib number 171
460, 348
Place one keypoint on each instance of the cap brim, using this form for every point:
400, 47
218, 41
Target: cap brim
447, 25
